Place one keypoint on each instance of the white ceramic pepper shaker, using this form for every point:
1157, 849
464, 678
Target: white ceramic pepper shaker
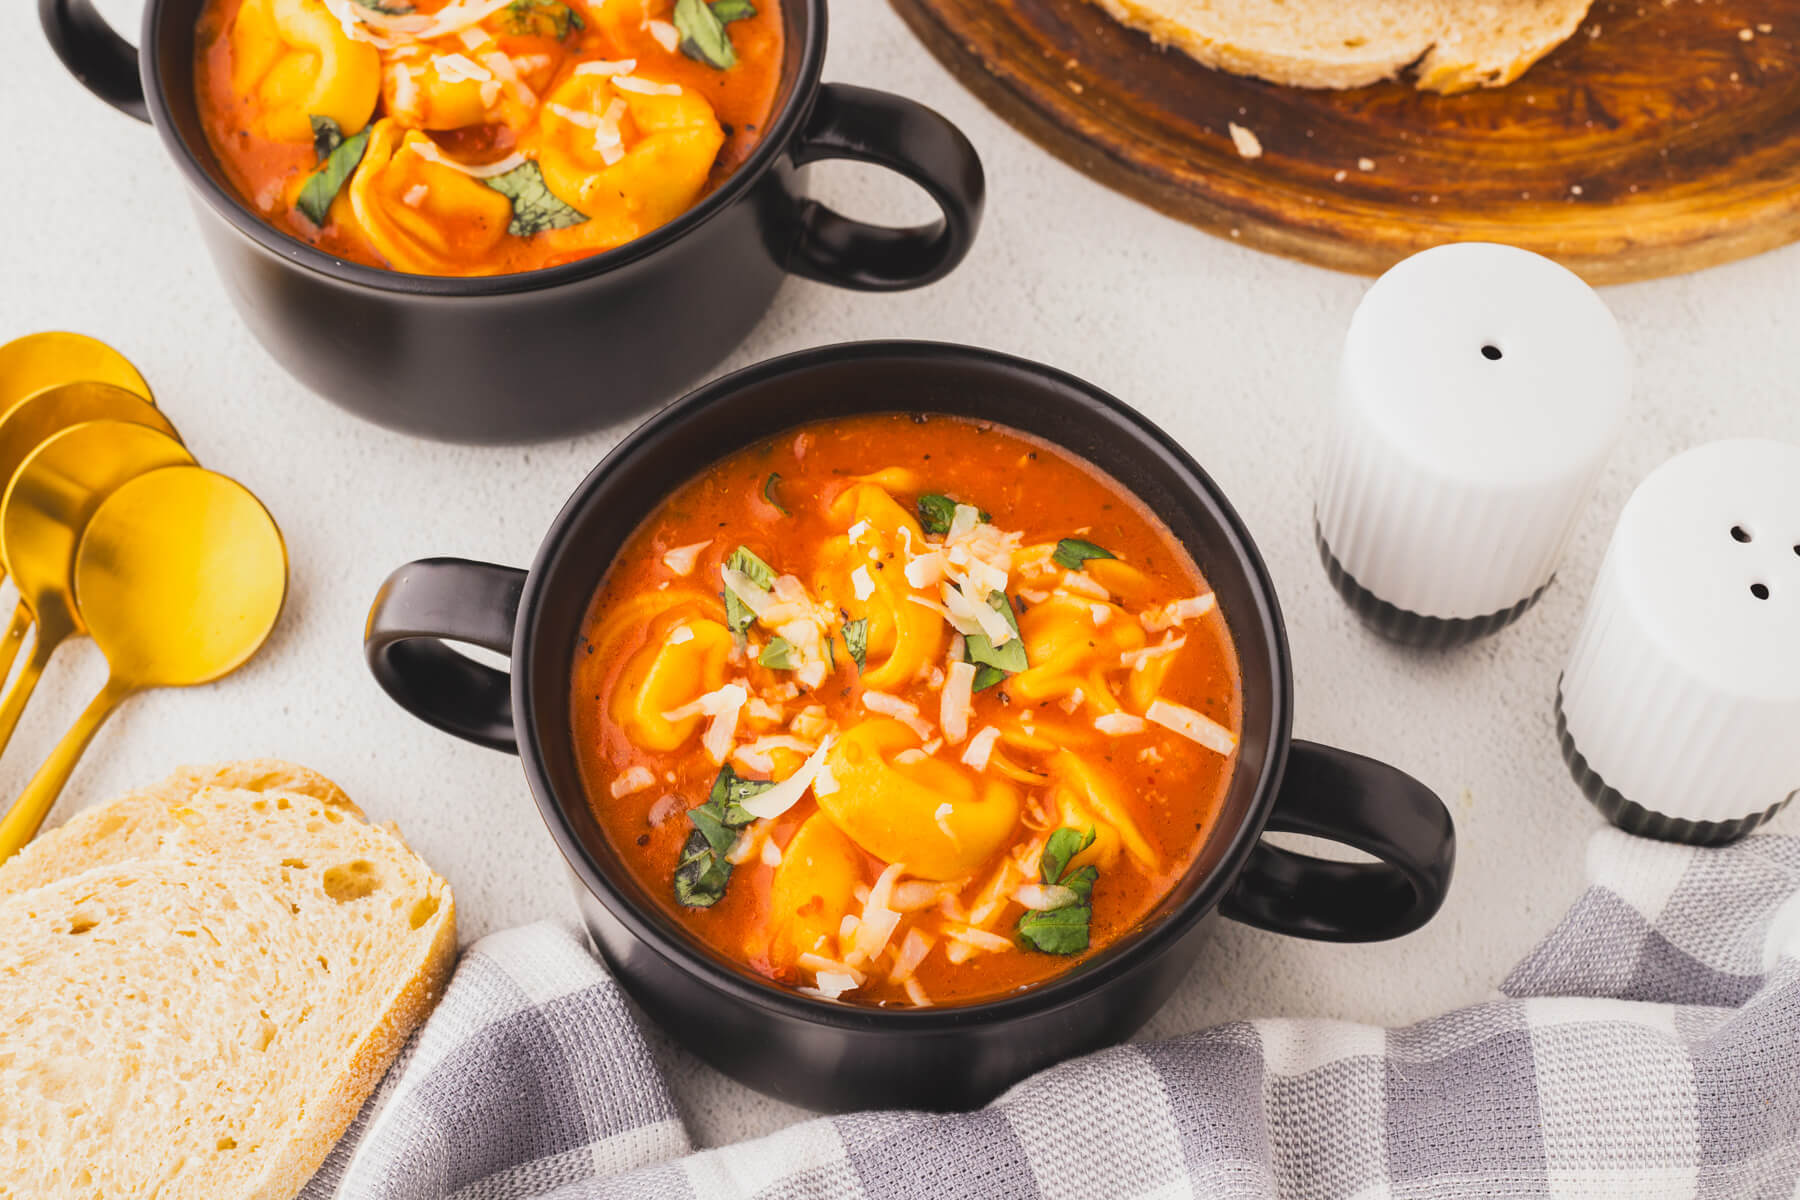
1679, 709
1481, 390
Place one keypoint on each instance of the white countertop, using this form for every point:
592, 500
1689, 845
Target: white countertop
1232, 351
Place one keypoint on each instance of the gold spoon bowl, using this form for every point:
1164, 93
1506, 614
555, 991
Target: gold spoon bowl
50, 501
180, 577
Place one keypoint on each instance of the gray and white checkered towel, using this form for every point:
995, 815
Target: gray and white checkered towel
1650, 1047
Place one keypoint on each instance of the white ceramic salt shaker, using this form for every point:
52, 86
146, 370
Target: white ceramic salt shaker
1679, 709
1481, 390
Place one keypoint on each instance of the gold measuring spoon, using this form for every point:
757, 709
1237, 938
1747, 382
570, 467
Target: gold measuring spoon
180, 577
32, 421
51, 499
40, 360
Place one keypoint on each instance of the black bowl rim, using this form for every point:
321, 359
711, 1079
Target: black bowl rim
1116, 962
292, 251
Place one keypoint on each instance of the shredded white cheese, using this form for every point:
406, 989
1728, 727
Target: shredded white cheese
925, 570
784, 795
913, 949
759, 602
415, 195
855, 532
1136, 659
427, 149
1118, 724
632, 781
975, 616
680, 635
900, 710
771, 853
1042, 897
942, 816
978, 939
1196, 727
601, 66
956, 702
915, 992
1177, 612
645, 87
878, 917
980, 747
455, 68
666, 35
862, 582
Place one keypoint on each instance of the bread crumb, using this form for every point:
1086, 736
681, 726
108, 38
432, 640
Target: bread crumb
1248, 146
1365, 164
1765, 27
1341, 176
1575, 189
1075, 87
1746, 34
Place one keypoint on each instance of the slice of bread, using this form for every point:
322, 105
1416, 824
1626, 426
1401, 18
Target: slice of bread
201, 1009
135, 824
1455, 44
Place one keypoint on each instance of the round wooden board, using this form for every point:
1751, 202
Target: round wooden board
1659, 139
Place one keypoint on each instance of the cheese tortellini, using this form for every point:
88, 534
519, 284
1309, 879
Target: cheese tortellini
628, 161
813, 888
865, 578
294, 59
938, 818
417, 213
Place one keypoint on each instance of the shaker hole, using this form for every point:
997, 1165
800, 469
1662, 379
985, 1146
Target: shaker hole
1740, 534
1760, 590
1491, 352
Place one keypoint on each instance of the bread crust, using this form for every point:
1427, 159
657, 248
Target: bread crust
186, 796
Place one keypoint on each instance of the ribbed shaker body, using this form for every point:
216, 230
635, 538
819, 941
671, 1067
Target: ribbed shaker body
1481, 389
1680, 705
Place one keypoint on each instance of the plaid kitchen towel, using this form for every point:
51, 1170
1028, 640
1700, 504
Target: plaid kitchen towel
1649, 1047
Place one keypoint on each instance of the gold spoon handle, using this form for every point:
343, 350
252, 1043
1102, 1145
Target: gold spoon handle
51, 630
27, 813
13, 638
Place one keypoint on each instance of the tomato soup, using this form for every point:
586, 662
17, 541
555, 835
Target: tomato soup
905, 710
476, 137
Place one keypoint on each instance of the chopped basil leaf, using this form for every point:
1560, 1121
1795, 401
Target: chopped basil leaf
544, 18
392, 10
1057, 930
986, 677
778, 655
733, 10
1072, 552
1064, 929
703, 36
978, 649
831, 651
936, 511
737, 615
326, 135
771, 497
700, 875
703, 870
1063, 845
535, 207
320, 190
856, 641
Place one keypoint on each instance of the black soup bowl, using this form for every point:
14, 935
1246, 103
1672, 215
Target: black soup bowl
571, 348
839, 1056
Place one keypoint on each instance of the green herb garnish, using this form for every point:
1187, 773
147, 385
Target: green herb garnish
769, 485
703, 870
322, 188
778, 655
856, 641
543, 18
535, 207
1009, 658
326, 135
937, 511
737, 614
1072, 552
986, 677
702, 28
1063, 929
390, 10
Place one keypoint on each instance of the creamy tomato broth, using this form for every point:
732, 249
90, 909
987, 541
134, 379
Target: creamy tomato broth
905, 710
476, 137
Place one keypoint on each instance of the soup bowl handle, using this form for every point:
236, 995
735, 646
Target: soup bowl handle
1365, 804
902, 135
426, 604
105, 63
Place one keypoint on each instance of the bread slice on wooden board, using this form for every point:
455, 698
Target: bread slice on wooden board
132, 825
1456, 44
204, 1020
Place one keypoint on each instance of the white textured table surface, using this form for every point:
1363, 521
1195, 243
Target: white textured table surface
1231, 351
